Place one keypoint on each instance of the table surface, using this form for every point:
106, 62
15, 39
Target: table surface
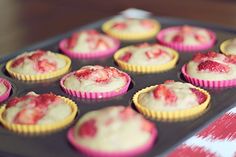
26, 22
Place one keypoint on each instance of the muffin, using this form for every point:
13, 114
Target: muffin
5, 89
89, 44
37, 113
113, 131
146, 58
38, 65
94, 82
228, 47
131, 29
211, 70
187, 38
171, 101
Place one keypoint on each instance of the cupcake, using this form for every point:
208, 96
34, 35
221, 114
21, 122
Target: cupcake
228, 47
38, 65
146, 58
211, 70
89, 44
131, 29
33, 113
93, 82
187, 38
113, 132
5, 89
171, 101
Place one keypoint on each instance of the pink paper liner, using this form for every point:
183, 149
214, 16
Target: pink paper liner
182, 47
97, 153
88, 55
7, 93
94, 95
207, 83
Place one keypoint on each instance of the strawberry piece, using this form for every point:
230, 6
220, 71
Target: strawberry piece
46, 66
88, 128
127, 113
213, 66
37, 55
126, 57
230, 59
83, 73
147, 126
101, 43
201, 97
169, 81
211, 54
178, 38
13, 102
72, 40
147, 23
154, 54
92, 32
28, 116
200, 38
119, 25
168, 94
198, 57
44, 100
17, 62
101, 76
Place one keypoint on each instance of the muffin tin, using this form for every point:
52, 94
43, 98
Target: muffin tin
170, 133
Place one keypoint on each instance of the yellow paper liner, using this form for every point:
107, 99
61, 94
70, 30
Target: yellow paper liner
223, 46
146, 69
43, 128
177, 115
37, 77
106, 27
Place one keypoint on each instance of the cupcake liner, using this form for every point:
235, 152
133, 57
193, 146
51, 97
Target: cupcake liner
171, 115
207, 83
97, 153
223, 46
88, 55
181, 47
5, 95
40, 129
145, 69
95, 95
106, 27
38, 77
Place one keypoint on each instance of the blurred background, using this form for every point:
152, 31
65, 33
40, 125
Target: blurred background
24, 22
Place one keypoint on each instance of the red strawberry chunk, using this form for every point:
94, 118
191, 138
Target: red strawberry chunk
127, 113
101, 75
213, 66
101, 43
200, 38
28, 116
198, 57
44, 100
201, 97
178, 38
37, 55
163, 91
83, 73
88, 128
72, 40
92, 32
147, 23
17, 62
46, 66
119, 25
169, 81
126, 56
230, 59
154, 54
13, 102
211, 54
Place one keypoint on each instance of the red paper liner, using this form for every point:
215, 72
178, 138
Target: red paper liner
88, 55
95, 95
208, 83
182, 47
5, 95
97, 153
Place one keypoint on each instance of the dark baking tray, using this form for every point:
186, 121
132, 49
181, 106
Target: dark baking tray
170, 133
